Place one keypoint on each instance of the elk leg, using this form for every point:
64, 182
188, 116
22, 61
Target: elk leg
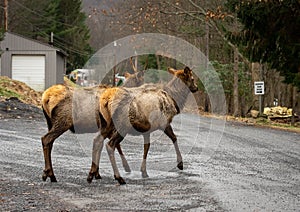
48, 171
169, 132
47, 143
146, 149
110, 147
96, 154
124, 161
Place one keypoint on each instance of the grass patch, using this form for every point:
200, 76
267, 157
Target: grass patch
285, 126
262, 120
8, 93
4, 79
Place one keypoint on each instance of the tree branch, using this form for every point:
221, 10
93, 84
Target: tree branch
214, 25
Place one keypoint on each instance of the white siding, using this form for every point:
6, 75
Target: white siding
29, 69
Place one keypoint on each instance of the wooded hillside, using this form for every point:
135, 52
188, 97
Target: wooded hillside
245, 41
226, 34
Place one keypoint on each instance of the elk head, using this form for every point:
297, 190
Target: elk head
186, 75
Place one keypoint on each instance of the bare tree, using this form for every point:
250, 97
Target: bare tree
200, 22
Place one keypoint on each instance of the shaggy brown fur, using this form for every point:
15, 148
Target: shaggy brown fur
143, 110
74, 109
53, 96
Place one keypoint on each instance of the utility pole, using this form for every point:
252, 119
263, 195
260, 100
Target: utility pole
51, 38
5, 15
114, 68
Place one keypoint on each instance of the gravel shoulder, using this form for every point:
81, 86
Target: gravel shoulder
13, 108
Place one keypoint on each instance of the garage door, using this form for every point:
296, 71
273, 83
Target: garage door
30, 70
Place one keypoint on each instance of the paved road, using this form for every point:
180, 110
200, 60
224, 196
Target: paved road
227, 167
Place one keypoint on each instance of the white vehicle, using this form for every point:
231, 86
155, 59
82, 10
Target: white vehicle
119, 79
82, 77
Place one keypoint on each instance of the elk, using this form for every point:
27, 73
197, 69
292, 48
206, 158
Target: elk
66, 108
141, 110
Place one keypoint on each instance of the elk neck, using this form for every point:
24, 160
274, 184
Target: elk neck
178, 91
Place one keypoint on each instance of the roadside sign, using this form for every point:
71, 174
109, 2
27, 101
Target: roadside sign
259, 88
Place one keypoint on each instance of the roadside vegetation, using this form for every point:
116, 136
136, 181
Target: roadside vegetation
13, 88
10, 88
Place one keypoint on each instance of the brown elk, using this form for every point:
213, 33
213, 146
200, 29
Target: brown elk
66, 108
142, 110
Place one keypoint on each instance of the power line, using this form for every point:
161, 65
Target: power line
65, 45
39, 14
61, 42
76, 51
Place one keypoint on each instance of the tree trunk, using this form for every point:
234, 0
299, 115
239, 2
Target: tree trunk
206, 107
158, 62
235, 84
206, 104
136, 63
243, 106
293, 98
256, 76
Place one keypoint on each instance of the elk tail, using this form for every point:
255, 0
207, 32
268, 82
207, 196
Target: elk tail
49, 123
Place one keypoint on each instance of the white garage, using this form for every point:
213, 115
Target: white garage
30, 70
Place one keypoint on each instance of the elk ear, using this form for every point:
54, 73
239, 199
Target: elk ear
171, 70
187, 70
127, 75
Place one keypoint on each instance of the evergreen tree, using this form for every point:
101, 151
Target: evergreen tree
271, 34
26, 17
62, 17
71, 33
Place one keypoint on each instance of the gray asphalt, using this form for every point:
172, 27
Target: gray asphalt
227, 167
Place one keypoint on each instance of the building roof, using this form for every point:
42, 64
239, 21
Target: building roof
15, 41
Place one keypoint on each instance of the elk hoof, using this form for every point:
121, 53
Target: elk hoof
145, 175
180, 165
44, 177
90, 177
53, 179
120, 180
98, 176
